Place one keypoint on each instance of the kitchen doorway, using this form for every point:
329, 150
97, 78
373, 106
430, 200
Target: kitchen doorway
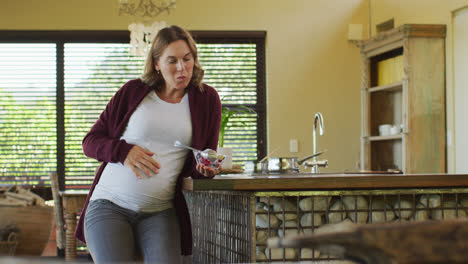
460, 55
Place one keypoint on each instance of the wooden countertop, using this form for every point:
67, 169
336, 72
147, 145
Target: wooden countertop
322, 181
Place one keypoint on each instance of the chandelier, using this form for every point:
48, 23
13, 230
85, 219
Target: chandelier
145, 8
142, 35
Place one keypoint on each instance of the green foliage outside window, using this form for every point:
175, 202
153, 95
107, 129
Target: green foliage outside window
28, 125
27, 139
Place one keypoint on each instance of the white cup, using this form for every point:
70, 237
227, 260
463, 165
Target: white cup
249, 167
394, 130
227, 152
384, 130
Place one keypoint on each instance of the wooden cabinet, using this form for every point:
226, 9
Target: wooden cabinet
403, 86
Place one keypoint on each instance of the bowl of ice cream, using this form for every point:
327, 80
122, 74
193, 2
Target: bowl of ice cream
209, 158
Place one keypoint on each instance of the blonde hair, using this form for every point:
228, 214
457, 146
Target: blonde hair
165, 37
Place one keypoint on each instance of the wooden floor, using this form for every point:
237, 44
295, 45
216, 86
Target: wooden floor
51, 248
50, 252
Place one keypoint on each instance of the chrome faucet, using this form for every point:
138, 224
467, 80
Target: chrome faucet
318, 121
315, 163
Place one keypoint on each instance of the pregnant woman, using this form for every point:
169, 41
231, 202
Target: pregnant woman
135, 205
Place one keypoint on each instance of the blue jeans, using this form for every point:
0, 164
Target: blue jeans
114, 234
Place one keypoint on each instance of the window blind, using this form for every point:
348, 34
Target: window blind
54, 85
231, 68
27, 113
93, 74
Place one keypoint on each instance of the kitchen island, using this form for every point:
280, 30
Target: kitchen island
234, 215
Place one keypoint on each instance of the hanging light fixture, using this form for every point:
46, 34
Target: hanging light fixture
142, 34
145, 8
141, 37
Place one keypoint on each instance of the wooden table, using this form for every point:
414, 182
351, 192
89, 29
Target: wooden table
417, 242
73, 202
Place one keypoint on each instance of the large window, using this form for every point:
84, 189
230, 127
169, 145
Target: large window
54, 85
93, 73
27, 111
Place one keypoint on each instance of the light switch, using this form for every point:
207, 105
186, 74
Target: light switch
293, 145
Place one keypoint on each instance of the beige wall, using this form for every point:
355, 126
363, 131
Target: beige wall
311, 66
460, 81
426, 12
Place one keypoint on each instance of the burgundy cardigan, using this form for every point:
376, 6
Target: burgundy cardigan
103, 141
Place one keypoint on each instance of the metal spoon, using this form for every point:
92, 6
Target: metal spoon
207, 153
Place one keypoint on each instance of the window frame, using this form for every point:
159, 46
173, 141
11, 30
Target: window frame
60, 37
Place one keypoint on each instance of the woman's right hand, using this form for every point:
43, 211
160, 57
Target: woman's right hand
142, 159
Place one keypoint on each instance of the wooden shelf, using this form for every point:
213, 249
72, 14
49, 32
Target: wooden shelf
398, 86
403, 83
380, 138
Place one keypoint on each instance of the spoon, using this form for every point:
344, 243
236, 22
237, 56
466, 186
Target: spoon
207, 153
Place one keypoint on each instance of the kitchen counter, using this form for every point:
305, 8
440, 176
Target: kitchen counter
233, 215
320, 181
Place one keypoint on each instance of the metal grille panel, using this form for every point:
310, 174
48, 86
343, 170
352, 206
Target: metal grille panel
221, 226
292, 213
233, 227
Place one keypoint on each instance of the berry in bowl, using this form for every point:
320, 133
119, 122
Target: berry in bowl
209, 158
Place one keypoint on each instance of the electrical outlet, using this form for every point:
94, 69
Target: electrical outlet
293, 145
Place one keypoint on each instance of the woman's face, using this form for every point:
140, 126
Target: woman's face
176, 65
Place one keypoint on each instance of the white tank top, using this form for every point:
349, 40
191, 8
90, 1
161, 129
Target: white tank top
154, 125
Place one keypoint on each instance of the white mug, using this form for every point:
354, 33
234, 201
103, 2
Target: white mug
384, 130
394, 130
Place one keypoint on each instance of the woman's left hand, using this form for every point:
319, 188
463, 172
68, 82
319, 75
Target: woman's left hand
207, 171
